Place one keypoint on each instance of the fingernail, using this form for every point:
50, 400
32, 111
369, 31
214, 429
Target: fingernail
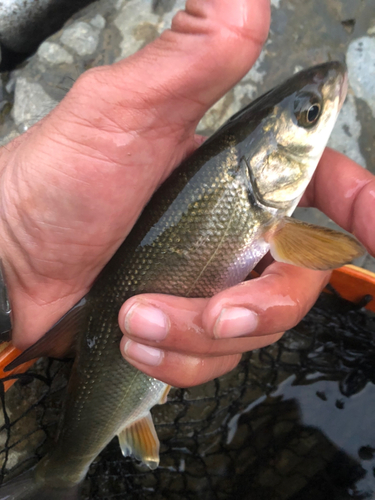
235, 322
143, 353
146, 322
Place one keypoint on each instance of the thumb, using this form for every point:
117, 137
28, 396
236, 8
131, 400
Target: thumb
211, 45
170, 83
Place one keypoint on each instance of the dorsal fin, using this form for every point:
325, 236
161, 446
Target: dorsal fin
59, 341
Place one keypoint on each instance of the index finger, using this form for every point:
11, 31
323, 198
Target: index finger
345, 192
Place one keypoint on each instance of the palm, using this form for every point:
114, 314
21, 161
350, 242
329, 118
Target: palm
77, 207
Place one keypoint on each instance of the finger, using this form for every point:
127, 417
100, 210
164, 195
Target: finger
181, 370
176, 369
242, 318
345, 192
277, 301
210, 46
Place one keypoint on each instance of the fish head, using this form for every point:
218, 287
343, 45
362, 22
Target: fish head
297, 118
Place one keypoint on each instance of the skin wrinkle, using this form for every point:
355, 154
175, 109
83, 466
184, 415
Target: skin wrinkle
159, 112
240, 31
26, 249
183, 23
70, 177
44, 303
26, 224
78, 151
98, 123
264, 301
197, 9
102, 163
196, 370
139, 101
59, 172
102, 126
117, 165
197, 63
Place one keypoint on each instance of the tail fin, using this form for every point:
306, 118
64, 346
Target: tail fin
25, 487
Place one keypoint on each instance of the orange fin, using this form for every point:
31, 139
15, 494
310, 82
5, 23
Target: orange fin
313, 247
59, 341
164, 396
141, 441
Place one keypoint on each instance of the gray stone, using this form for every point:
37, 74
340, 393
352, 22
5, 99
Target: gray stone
369, 263
31, 104
361, 65
221, 111
81, 37
98, 22
54, 54
137, 25
256, 74
165, 21
8, 137
347, 131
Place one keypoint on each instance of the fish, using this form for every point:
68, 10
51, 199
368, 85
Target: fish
202, 231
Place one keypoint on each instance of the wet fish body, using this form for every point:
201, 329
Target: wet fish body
203, 231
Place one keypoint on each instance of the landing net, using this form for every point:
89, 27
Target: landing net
283, 425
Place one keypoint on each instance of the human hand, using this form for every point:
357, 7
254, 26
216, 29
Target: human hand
74, 184
186, 342
64, 184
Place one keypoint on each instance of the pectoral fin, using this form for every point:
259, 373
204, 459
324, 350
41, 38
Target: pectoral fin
141, 441
59, 341
314, 247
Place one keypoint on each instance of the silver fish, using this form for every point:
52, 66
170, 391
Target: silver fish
203, 231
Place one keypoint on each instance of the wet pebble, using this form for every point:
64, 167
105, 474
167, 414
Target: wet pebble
361, 66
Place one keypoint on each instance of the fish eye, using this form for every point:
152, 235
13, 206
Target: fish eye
313, 113
307, 110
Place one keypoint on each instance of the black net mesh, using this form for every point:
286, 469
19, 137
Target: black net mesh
293, 421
